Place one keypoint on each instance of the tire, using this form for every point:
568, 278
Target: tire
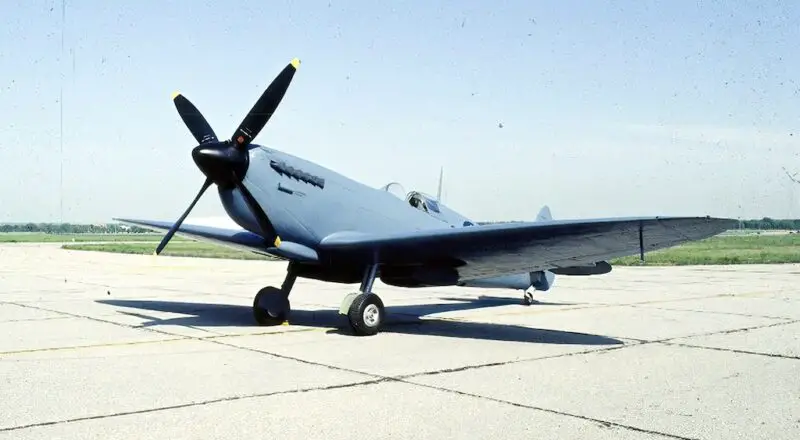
366, 314
277, 310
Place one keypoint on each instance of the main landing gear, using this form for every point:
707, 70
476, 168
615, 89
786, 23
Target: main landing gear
271, 305
364, 310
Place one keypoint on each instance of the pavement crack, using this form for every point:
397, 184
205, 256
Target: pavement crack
193, 404
50, 318
104, 321
668, 341
81, 347
213, 339
601, 422
405, 379
296, 359
732, 331
734, 350
517, 361
634, 342
746, 315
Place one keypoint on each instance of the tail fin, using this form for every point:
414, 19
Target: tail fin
543, 280
544, 214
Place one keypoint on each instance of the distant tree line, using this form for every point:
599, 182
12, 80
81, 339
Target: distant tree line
771, 223
765, 223
72, 228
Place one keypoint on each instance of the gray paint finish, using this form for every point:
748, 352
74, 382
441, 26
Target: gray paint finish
344, 223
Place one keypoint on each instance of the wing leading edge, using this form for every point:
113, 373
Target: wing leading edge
480, 251
494, 250
238, 239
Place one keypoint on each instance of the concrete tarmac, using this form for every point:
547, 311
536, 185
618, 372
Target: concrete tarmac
101, 346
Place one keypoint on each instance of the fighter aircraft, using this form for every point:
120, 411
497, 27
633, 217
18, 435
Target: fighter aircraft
334, 229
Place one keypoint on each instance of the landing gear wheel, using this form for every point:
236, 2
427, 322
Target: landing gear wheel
271, 306
527, 299
366, 314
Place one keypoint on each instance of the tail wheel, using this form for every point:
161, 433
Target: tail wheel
527, 299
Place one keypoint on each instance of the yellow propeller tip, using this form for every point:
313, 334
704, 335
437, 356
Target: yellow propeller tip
175, 94
277, 242
296, 63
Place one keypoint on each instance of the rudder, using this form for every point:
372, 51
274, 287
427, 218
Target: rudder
543, 280
544, 214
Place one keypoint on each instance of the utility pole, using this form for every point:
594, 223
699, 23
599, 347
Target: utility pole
61, 119
794, 178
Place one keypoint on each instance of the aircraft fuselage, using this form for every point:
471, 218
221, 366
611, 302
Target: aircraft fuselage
290, 189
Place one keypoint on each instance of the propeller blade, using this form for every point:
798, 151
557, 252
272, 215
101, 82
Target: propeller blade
268, 231
177, 224
194, 120
265, 106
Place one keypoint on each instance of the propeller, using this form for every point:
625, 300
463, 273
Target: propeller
225, 163
193, 119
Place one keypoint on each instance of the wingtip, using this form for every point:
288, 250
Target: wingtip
722, 224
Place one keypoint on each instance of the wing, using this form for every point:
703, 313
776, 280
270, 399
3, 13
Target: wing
240, 239
493, 250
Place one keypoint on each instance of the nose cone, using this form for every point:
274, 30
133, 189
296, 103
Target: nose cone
223, 163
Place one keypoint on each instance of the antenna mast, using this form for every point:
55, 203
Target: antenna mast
439, 191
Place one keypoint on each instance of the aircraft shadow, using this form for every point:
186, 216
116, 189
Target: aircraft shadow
404, 319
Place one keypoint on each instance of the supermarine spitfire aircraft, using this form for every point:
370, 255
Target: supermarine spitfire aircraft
334, 229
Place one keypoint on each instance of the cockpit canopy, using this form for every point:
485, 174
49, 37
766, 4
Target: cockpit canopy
423, 202
417, 199
428, 204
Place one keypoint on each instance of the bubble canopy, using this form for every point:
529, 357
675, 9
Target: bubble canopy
428, 204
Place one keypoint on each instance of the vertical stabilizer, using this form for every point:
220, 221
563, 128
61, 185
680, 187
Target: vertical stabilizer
543, 280
544, 214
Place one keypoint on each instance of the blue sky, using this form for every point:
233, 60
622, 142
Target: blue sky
607, 108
